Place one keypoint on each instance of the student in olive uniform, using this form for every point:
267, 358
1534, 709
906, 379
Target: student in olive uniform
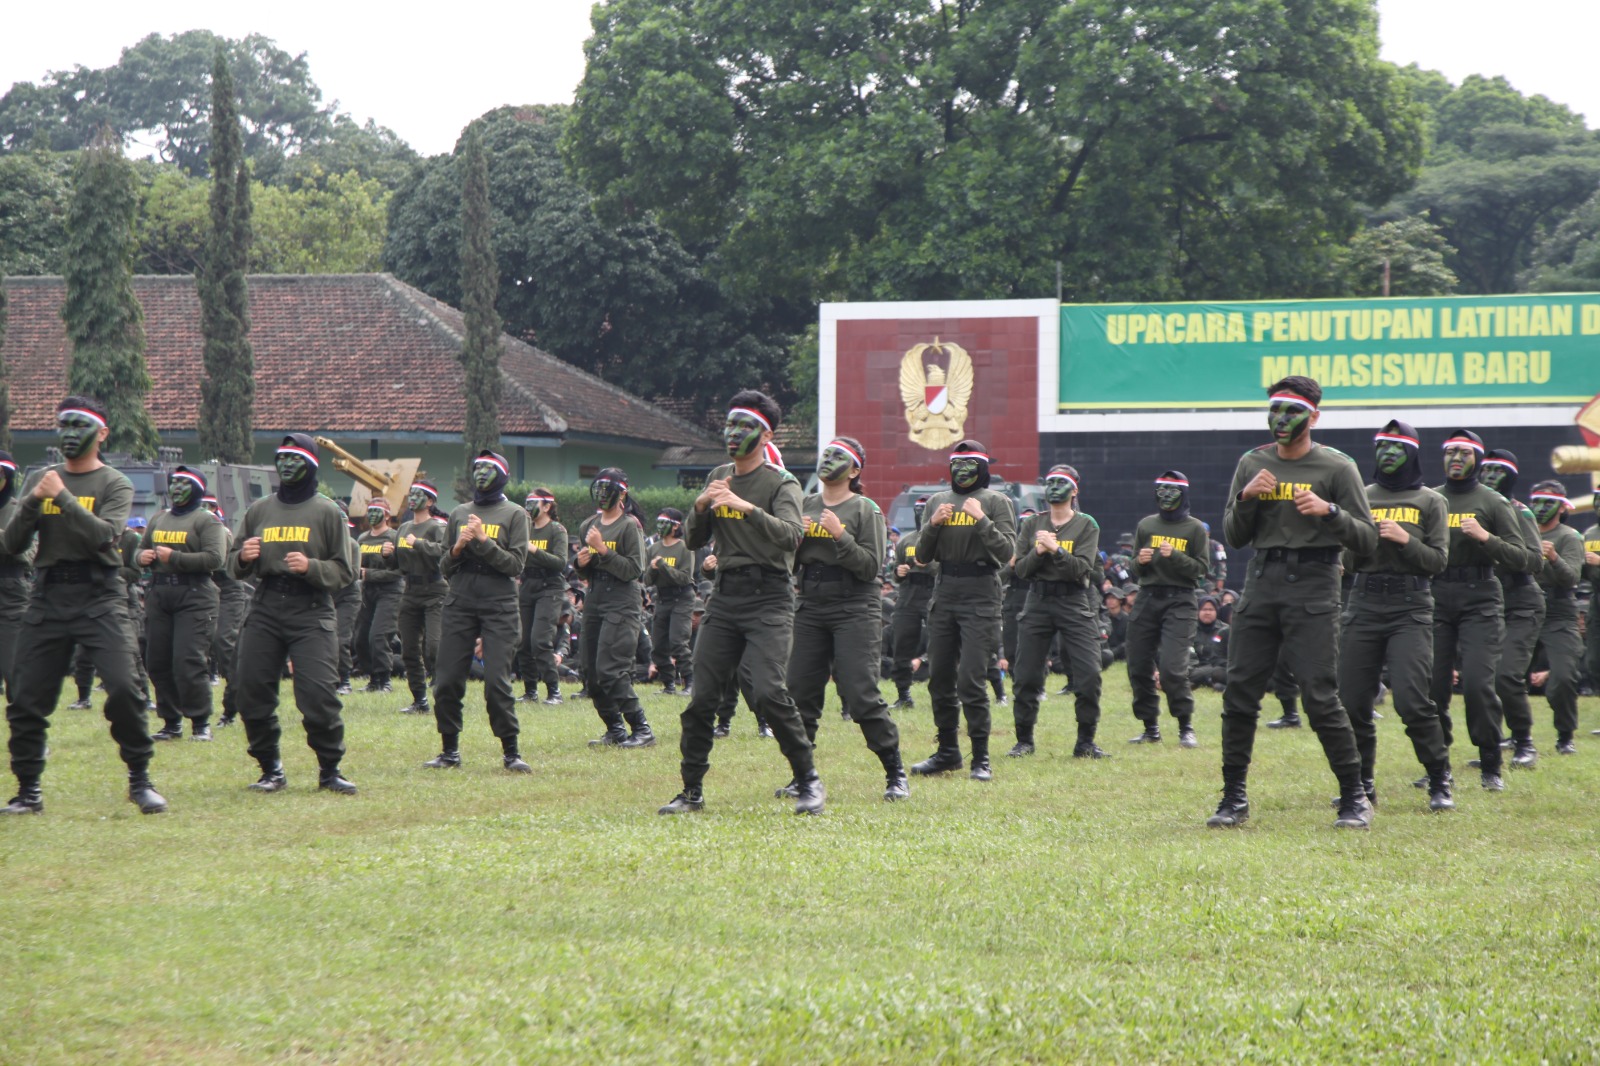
295, 545
970, 533
1562, 550
1468, 602
752, 507
611, 559
541, 598
347, 603
1524, 611
380, 596
1296, 502
16, 572
914, 578
182, 546
670, 571
419, 547
1210, 648
1057, 552
233, 600
1013, 598
838, 626
488, 541
1591, 574
76, 510
1171, 557
1388, 622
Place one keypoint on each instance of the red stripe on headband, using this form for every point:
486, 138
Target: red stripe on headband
968, 455
90, 415
499, 463
1398, 438
1068, 478
1549, 496
1465, 441
379, 502
1172, 481
757, 415
851, 452
8, 464
294, 449
774, 456
1289, 397
1507, 463
537, 495
195, 478
425, 487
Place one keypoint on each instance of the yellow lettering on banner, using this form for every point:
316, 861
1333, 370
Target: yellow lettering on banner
1284, 490
1455, 519
286, 535
1519, 320
1505, 368
490, 529
168, 536
1591, 319
1178, 543
724, 511
1194, 327
86, 502
1397, 514
538, 545
961, 518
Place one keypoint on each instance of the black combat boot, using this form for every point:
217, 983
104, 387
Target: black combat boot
513, 757
1234, 810
449, 757
614, 735
1151, 734
1023, 747
530, 694
945, 759
721, 730
1355, 809
895, 786
1564, 745
1524, 756
640, 735
329, 779
981, 771
1291, 715
1186, 737
200, 729
904, 700
552, 696
810, 795
28, 800
1086, 748
1440, 796
685, 802
142, 794
169, 731
271, 779
379, 683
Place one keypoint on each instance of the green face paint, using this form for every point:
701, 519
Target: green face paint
742, 435
666, 527
1459, 462
1493, 476
76, 435
418, 500
1287, 421
483, 475
1169, 497
835, 464
375, 517
1391, 456
606, 493
292, 468
1545, 511
964, 473
1058, 489
180, 490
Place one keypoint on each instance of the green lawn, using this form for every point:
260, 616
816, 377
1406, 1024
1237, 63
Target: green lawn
1067, 911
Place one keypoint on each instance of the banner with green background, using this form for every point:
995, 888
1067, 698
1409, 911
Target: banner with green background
1437, 351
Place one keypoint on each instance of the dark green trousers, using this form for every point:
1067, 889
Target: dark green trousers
281, 627
419, 619
669, 635
1591, 641
1289, 609
180, 624
1469, 629
749, 627
541, 622
478, 605
963, 639
1012, 604
233, 600
1524, 607
1208, 675
376, 626
1160, 636
910, 622
607, 648
1390, 624
1563, 649
60, 617
1073, 618
842, 639
348, 602
13, 605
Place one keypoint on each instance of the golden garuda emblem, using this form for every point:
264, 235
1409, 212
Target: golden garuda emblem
936, 396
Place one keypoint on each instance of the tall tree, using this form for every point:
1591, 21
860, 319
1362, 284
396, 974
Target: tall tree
227, 393
104, 321
480, 282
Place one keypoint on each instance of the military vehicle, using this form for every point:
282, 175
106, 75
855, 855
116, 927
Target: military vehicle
236, 487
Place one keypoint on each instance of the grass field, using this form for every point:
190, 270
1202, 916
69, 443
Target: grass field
1067, 911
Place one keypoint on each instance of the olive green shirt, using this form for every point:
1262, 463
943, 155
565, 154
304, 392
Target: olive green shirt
1528, 537
965, 539
8, 513
378, 571
315, 528
1563, 571
547, 555
1076, 557
1423, 514
669, 566
197, 540
859, 549
622, 562
1190, 561
420, 559
504, 548
768, 535
83, 523
1273, 521
1591, 573
1495, 514
908, 553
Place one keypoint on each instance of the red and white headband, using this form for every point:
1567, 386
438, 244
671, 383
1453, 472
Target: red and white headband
498, 463
423, 486
1507, 463
8, 465
666, 518
1290, 397
378, 503
1397, 438
774, 456
757, 415
98, 420
295, 449
194, 479
1064, 476
1463, 442
1550, 496
851, 452
1176, 482
538, 494
980, 456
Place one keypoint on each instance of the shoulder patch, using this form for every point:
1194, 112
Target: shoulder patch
1090, 517
786, 475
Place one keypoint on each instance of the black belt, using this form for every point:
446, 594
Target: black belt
1389, 582
919, 579
1165, 592
477, 566
1559, 594
1466, 573
1517, 581
13, 571
420, 582
1301, 555
814, 572
77, 573
180, 579
750, 576
978, 569
674, 593
287, 585
1058, 588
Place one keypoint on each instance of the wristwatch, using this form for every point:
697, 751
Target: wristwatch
1333, 512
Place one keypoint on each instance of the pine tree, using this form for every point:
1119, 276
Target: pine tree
104, 321
5, 384
480, 280
227, 393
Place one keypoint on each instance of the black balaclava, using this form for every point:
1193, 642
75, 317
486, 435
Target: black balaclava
1409, 476
302, 445
1458, 438
494, 492
970, 451
918, 508
1505, 463
8, 467
1169, 480
197, 497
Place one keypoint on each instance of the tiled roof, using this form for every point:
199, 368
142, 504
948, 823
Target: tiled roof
362, 354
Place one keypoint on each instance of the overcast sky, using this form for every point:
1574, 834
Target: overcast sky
426, 72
